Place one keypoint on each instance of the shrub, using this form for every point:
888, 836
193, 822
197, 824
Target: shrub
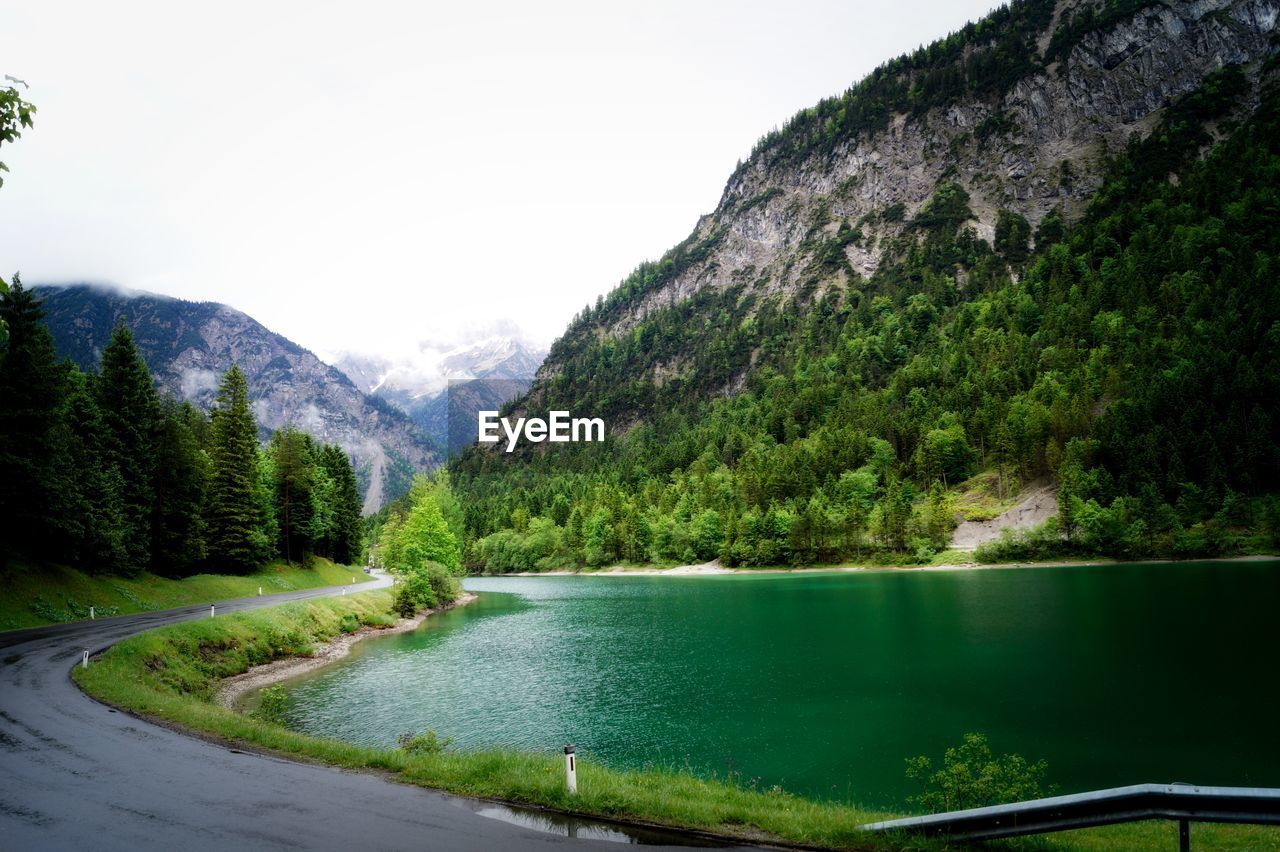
273, 705
424, 744
972, 777
429, 585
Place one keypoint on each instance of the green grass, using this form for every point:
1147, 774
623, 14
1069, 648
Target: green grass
976, 499
171, 674
35, 595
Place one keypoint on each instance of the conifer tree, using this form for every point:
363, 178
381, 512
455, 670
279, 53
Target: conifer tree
130, 414
345, 533
232, 510
293, 492
177, 527
91, 506
31, 389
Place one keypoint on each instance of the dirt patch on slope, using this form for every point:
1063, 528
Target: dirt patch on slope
1034, 508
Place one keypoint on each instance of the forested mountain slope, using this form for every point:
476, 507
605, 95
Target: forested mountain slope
1042, 248
189, 345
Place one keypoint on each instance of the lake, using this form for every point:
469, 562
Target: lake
823, 683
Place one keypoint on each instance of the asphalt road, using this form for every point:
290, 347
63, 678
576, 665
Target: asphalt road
75, 774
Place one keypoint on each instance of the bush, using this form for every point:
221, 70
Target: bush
972, 777
429, 586
420, 745
273, 705
349, 623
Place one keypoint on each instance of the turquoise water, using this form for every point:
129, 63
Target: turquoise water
824, 683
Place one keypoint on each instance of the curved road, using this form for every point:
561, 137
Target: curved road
75, 774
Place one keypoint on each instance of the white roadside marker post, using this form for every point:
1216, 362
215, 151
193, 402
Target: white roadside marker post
570, 769
211, 611
259, 591
85, 662
91, 614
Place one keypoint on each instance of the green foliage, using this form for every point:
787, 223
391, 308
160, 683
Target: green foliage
130, 420
41, 593
181, 479
234, 511
418, 546
101, 473
273, 703
422, 535
295, 492
971, 776
15, 115
424, 744
343, 533
32, 385
1134, 361
980, 61
1012, 235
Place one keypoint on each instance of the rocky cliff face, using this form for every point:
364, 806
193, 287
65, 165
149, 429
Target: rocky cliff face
188, 345
1036, 145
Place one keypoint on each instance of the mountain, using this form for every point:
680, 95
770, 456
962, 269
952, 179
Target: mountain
444, 388
188, 345
1020, 112
1037, 251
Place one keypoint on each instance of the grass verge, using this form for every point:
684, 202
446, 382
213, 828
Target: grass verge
172, 673
51, 594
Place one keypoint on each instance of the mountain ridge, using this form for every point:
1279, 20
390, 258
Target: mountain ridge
188, 345
1095, 84
910, 304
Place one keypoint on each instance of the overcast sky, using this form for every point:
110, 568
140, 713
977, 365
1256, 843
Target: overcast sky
366, 175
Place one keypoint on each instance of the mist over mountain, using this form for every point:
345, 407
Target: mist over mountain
478, 373
189, 345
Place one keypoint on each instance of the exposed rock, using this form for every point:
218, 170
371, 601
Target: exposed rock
1034, 508
189, 345
1112, 84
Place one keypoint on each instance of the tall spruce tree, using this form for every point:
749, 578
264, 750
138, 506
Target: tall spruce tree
130, 415
347, 525
31, 389
232, 510
294, 487
90, 486
177, 526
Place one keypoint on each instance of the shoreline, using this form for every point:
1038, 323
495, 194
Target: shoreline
712, 569
232, 690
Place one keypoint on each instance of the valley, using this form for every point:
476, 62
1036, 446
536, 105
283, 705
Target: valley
936, 468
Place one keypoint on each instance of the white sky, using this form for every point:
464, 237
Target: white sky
366, 175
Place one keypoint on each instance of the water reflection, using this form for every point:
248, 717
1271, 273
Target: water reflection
568, 826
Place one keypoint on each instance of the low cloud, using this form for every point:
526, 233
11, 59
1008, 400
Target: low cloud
196, 382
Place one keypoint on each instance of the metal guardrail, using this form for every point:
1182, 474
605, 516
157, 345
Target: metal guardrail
1185, 803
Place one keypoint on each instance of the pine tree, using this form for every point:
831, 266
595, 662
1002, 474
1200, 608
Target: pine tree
293, 492
233, 512
177, 527
91, 509
346, 529
31, 389
130, 415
